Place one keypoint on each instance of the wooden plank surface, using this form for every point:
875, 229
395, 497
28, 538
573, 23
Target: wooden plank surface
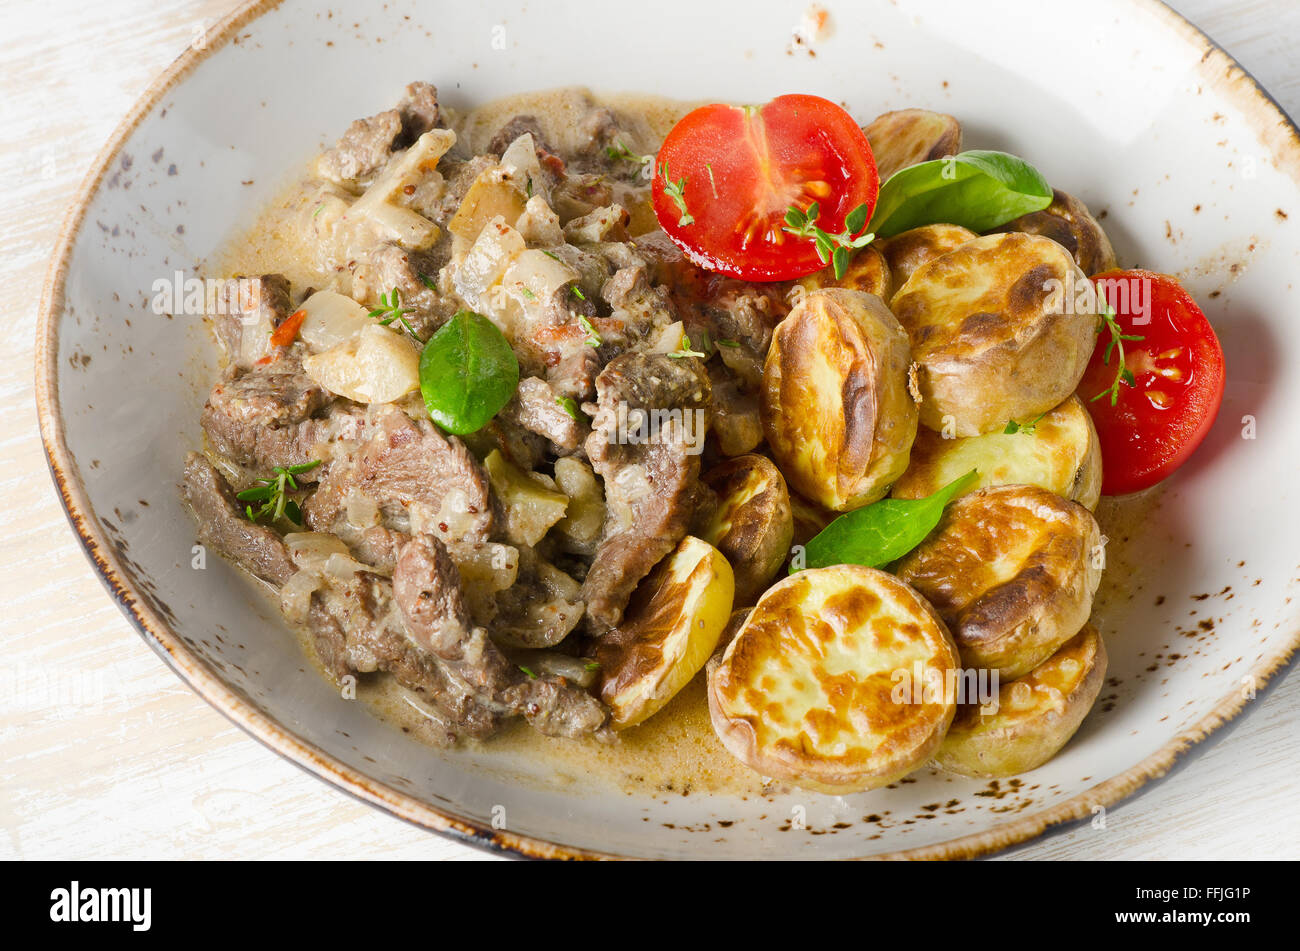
105, 754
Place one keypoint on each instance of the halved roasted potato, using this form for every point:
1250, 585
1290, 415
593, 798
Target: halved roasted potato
911, 136
1069, 223
668, 631
1036, 715
837, 413
997, 330
1012, 570
752, 524
908, 250
814, 688
1059, 452
868, 271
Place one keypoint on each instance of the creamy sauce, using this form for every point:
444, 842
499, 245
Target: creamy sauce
676, 752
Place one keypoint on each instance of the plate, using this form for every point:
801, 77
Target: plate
1198, 175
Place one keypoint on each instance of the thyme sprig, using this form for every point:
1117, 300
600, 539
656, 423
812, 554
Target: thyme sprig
1106, 321
273, 493
684, 349
676, 190
390, 309
834, 249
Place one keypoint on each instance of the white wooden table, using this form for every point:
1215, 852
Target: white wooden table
103, 752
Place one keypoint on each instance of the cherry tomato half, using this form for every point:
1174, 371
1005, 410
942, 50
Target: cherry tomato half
1177, 366
726, 175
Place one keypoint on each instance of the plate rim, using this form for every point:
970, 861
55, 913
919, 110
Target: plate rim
196, 674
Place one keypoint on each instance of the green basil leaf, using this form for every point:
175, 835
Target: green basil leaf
882, 532
467, 373
978, 190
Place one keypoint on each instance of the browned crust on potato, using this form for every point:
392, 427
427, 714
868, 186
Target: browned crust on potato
908, 250
995, 332
868, 271
1025, 734
1009, 623
1069, 223
910, 136
836, 412
759, 531
797, 625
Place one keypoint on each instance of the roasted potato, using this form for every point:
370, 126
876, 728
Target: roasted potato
911, 136
868, 271
752, 524
809, 689
837, 413
1036, 715
1069, 223
1012, 570
668, 631
1059, 452
908, 250
996, 332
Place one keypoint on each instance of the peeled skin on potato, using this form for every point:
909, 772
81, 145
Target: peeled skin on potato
1012, 571
1036, 714
998, 332
1060, 454
1069, 223
837, 414
752, 524
911, 136
810, 691
908, 250
668, 631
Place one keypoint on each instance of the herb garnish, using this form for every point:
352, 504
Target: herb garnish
570, 406
271, 492
1106, 321
684, 349
531, 675
1024, 428
390, 309
676, 190
620, 152
593, 338
833, 249
577, 292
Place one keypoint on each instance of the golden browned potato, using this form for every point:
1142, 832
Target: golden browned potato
997, 332
837, 413
868, 272
1012, 570
1036, 715
911, 136
668, 631
1069, 223
752, 524
908, 250
813, 689
1059, 452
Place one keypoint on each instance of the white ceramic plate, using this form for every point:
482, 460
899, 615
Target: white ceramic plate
1128, 107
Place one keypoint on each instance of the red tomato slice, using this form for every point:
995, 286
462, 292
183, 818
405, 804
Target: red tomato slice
741, 168
1155, 425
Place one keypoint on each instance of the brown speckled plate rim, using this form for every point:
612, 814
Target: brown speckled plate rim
1269, 120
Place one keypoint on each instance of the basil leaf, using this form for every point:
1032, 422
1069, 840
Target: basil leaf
882, 532
978, 190
467, 373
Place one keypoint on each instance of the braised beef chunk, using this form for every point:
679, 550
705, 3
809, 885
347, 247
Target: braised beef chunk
650, 420
413, 274
538, 409
426, 586
368, 143
265, 417
363, 150
253, 305
410, 471
222, 525
519, 125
